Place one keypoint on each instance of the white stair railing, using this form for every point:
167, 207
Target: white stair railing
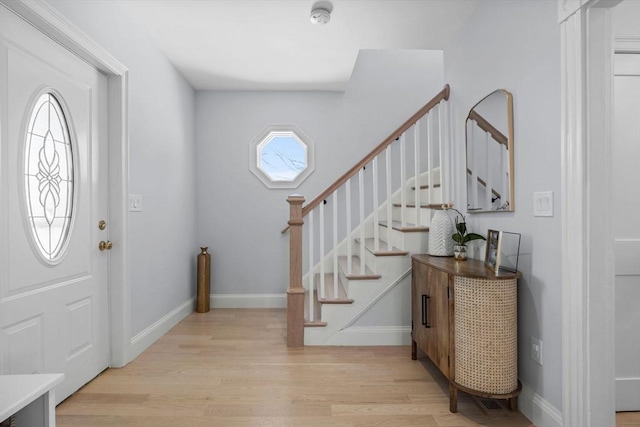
411, 150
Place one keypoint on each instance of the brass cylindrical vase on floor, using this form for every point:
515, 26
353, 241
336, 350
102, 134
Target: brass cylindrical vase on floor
204, 275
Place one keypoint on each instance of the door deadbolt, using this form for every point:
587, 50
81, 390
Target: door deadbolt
105, 246
102, 224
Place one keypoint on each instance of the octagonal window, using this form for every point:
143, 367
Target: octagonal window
282, 156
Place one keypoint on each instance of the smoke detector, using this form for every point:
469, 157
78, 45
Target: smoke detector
321, 13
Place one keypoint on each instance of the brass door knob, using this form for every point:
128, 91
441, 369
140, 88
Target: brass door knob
105, 245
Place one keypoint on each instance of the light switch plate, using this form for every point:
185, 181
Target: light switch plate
135, 203
543, 203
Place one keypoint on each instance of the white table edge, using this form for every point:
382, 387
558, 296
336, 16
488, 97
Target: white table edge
18, 391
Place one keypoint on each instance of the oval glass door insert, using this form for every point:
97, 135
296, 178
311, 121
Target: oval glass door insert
49, 177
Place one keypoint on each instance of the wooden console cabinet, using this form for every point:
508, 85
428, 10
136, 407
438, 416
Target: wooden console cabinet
464, 318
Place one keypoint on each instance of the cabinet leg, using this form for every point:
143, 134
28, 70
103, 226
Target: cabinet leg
414, 350
513, 403
453, 398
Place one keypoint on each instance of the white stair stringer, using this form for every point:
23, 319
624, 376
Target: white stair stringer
343, 327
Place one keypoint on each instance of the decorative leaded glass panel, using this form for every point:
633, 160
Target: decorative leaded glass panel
48, 177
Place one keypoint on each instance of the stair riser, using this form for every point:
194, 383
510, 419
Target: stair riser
386, 264
372, 336
337, 315
425, 215
347, 284
414, 243
434, 198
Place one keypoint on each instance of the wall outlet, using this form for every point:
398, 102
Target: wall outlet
536, 350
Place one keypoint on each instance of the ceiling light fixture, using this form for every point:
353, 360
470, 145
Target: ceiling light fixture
321, 12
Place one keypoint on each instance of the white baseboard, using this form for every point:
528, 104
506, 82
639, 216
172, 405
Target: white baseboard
248, 301
627, 394
538, 410
368, 335
151, 334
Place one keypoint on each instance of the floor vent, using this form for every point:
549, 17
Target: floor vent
491, 406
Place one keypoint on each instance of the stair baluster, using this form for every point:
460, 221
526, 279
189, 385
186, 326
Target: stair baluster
335, 244
321, 237
376, 219
349, 225
311, 281
416, 170
403, 178
430, 158
388, 201
361, 213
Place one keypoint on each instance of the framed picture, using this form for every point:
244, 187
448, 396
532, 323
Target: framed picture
509, 251
502, 251
492, 252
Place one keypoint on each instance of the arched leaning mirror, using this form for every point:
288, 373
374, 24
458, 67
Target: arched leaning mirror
490, 154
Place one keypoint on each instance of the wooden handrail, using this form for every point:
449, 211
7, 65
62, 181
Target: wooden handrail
484, 184
442, 95
488, 127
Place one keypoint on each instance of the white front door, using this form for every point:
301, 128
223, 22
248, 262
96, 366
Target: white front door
626, 214
54, 314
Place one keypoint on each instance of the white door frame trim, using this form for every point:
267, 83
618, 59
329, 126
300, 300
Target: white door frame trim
48, 20
587, 236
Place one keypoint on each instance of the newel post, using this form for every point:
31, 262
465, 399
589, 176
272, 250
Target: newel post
295, 293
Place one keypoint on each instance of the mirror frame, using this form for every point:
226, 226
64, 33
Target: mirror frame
498, 136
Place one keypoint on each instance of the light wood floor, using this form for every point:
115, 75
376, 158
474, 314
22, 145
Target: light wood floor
232, 368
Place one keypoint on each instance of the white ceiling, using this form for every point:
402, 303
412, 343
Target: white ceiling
272, 45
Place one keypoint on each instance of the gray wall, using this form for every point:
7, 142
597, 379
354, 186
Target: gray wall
162, 161
516, 46
238, 217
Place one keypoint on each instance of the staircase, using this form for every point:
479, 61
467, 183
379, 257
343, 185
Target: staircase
350, 278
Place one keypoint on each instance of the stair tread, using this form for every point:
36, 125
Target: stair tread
423, 206
314, 324
408, 228
329, 297
383, 248
425, 186
356, 269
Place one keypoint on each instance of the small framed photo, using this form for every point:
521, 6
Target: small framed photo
502, 251
492, 253
509, 251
